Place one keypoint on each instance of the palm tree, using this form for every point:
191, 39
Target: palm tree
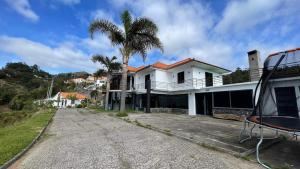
99, 73
110, 64
139, 36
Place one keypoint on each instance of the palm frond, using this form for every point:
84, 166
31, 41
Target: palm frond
115, 66
127, 21
99, 58
109, 63
100, 72
108, 28
144, 25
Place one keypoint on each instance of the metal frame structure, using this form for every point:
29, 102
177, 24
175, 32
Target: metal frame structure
263, 83
249, 134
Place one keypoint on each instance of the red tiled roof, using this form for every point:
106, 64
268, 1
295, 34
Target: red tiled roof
68, 94
134, 69
160, 65
180, 63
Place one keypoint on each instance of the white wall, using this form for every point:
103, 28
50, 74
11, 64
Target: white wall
167, 79
269, 104
139, 78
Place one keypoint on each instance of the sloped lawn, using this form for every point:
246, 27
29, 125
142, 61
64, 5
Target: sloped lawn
14, 138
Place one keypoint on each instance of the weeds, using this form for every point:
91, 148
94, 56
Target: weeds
122, 114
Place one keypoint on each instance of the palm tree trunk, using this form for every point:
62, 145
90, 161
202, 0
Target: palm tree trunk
123, 86
107, 91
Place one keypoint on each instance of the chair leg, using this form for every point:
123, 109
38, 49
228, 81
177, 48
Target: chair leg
257, 148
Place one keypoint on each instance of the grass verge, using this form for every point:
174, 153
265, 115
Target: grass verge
122, 114
14, 138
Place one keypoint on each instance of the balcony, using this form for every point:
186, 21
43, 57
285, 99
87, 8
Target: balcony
174, 86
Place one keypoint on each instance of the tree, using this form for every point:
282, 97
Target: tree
100, 73
94, 94
139, 36
110, 64
238, 76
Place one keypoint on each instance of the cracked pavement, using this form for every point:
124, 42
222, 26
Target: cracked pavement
79, 138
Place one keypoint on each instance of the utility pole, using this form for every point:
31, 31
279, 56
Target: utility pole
49, 92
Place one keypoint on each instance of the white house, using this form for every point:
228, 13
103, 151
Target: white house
194, 87
100, 81
68, 99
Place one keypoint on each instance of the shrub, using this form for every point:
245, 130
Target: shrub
79, 106
22, 101
17, 103
6, 95
84, 103
121, 114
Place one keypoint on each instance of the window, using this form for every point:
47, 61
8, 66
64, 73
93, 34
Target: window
221, 99
180, 77
241, 99
147, 78
208, 79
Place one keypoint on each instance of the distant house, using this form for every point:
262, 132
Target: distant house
68, 99
100, 81
78, 80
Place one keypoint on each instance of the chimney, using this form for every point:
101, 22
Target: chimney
255, 66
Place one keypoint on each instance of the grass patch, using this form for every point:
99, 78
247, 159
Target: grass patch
285, 166
122, 114
148, 126
127, 120
247, 158
14, 138
97, 109
210, 147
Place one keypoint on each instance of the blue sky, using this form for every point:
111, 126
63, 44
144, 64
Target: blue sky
53, 34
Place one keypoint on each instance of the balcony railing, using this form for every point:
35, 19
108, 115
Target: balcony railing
172, 86
238, 76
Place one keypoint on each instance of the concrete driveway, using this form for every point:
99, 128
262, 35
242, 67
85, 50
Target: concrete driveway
78, 138
224, 135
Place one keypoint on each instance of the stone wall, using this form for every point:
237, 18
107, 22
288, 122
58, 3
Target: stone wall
169, 110
231, 113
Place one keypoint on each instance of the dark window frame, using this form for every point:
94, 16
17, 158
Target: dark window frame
180, 77
219, 98
242, 99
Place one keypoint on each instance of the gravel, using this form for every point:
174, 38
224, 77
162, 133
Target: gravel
78, 138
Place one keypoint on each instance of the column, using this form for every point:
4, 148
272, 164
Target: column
192, 104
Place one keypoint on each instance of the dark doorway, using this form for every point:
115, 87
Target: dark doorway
147, 77
208, 79
204, 103
286, 101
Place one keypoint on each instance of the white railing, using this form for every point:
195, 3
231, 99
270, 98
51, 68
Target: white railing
174, 86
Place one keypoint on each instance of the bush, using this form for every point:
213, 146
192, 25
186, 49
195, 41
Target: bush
79, 106
6, 95
84, 103
21, 101
17, 103
121, 114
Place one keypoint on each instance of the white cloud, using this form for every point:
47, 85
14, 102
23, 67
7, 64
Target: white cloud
184, 29
69, 2
245, 15
101, 14
23, 7
64, 55
192, 29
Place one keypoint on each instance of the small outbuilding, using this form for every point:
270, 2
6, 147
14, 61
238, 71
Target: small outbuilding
68, 99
